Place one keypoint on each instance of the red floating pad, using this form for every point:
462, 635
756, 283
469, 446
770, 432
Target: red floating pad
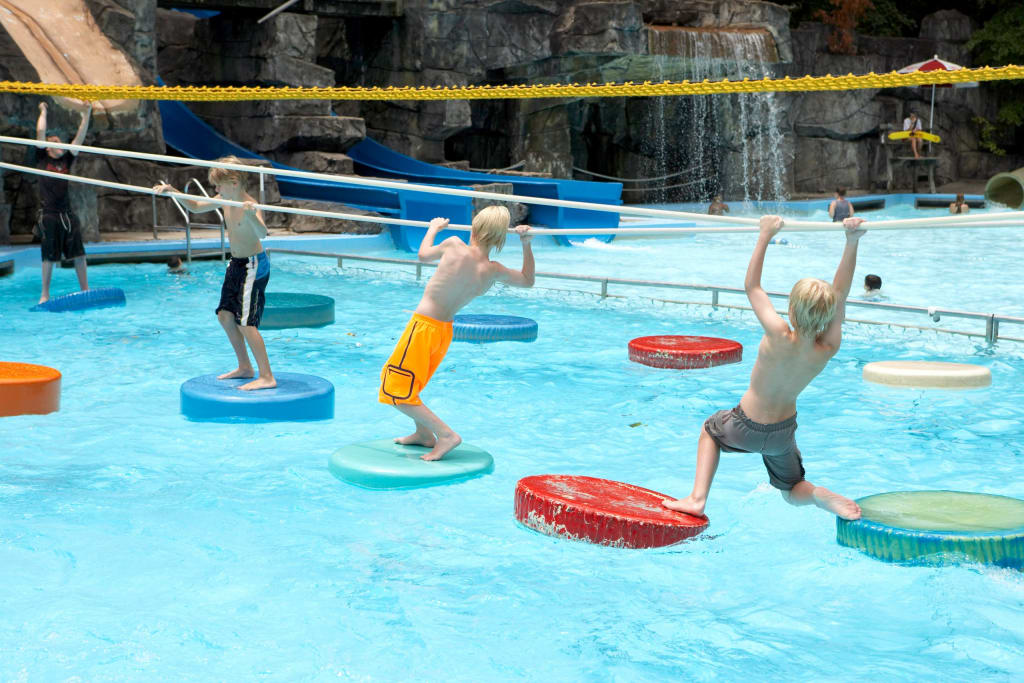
601, 511
683, 352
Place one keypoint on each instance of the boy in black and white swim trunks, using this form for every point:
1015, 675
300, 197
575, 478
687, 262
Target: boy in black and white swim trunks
242, 295
62, 236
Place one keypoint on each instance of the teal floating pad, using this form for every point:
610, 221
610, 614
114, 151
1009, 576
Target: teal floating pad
938, 527
288, 309
383, 464
493, 328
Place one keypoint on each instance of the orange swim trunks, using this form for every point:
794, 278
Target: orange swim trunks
414, 360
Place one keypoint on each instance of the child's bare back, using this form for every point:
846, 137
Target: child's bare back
463, 273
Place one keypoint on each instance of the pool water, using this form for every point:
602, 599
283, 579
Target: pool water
139, 545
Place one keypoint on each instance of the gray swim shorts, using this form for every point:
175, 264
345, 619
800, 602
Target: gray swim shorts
734, 432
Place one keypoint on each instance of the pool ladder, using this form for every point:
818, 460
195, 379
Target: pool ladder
189, 223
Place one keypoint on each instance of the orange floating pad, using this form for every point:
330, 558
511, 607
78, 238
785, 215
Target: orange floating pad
27, 389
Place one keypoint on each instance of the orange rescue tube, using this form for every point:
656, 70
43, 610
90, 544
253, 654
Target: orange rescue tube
27, 389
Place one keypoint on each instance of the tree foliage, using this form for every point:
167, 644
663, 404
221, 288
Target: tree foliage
997, 43
843, 17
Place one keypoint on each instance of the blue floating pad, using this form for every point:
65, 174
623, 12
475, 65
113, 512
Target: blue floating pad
101, 297
384, 464
296, 397
493, 328
938, 527
288, 309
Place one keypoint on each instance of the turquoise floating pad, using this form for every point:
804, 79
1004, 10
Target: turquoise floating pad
296, 397
938, 527
493, 328
384, 464
288, 309
101, 297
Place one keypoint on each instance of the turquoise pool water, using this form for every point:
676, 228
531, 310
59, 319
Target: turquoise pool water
138, 545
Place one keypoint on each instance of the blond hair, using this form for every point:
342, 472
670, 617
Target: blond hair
490, 226
812, 305
219, 175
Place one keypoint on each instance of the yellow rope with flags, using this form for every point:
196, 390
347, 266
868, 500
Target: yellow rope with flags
515, 92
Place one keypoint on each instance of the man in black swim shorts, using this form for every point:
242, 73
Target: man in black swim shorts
61, 232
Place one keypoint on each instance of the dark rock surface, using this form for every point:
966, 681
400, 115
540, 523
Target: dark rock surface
300, 224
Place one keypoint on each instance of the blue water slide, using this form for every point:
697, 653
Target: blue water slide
193, 137
373, 158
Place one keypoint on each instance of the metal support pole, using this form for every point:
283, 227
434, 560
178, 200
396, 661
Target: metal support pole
263, 178
714, 298
339, 263
991, 329
604, 289
419, 270
155, 236
188, 241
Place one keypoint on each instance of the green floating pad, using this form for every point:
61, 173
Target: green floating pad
383, 464
938, 527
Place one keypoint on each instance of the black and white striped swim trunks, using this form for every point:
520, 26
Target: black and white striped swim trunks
244, 290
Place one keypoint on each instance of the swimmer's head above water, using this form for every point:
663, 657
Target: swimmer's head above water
872, 283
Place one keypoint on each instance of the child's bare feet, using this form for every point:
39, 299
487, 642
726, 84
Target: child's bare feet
417, 438
259, 383
834, 503
238, 373
43, 299
687, 505
445, 444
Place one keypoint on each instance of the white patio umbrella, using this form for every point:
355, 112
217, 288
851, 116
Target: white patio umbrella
936, 64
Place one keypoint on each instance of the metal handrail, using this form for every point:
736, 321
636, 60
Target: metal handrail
991, 320
189, 223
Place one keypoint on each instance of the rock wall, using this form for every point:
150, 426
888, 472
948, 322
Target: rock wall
129, 24
233, 49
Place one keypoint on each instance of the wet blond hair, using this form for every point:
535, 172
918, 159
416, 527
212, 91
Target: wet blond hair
812, 306
490, 226
219, 175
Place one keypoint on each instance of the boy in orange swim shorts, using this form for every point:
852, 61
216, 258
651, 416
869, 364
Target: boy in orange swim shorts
465, 272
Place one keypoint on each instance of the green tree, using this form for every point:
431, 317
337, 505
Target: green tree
998, 43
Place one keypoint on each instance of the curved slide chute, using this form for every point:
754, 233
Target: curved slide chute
63, 43
374, 159
193, 137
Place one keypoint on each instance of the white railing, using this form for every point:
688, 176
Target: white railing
1014, 219
991, 321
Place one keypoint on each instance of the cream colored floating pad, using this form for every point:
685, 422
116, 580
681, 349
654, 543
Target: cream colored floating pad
925, 374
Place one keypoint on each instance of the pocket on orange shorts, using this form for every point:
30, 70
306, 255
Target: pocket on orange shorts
398, 383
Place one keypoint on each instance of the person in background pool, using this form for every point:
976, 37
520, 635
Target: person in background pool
175, 266
840, 209
718, 207
62, 234
960, 205
873, 287
243, 294
465, 272
787, 360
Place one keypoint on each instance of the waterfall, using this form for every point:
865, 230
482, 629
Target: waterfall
734, 143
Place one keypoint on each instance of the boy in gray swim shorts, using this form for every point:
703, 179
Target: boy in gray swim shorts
787, 360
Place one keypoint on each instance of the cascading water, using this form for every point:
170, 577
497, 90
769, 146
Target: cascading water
730, 143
